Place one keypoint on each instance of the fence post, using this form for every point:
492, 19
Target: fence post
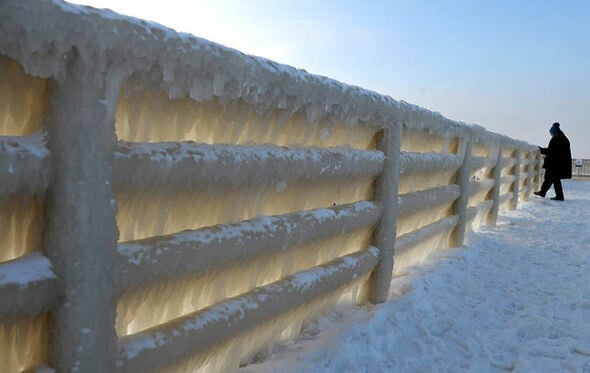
462, 180
386, 193
530, 174
516, 185
81, 234
540, 169
497, 173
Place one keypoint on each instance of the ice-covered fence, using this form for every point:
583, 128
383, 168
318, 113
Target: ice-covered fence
581, 167
167, 203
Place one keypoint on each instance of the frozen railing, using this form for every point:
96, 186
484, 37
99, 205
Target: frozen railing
581, 167
167, 203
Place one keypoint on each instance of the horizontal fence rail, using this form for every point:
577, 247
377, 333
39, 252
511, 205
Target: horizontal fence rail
416, 162
27, 287
155, 348
412, 239
196, 252
189, 165
480, 186
167, 203
413, 202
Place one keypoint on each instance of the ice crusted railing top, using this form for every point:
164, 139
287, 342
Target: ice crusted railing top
25, 271
38, 33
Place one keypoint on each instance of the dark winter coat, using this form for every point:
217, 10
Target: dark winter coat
558, 157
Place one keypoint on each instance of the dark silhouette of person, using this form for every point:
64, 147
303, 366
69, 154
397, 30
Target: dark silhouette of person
557, 164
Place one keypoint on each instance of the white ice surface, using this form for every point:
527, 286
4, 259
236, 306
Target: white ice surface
515, 298
26, 270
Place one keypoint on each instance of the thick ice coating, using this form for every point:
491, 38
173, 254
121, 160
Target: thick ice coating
182, 204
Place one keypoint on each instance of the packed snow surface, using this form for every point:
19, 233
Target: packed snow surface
515, 298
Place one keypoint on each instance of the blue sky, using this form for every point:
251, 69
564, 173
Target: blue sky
513, 67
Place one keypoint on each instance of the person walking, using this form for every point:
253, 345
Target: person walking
557, 164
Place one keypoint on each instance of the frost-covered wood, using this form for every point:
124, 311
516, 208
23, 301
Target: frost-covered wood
420, 162
28, 287
196, 252
416, 201
508, 162
84, 58
386, 193
484, 207
505, 198
462, 180
479, 214
412, 239
23, 165
495, 194
472, 212
482, 162
540, 169
156, 348
508, 179
480, 186
517, 179
174, 165
530, 176
80, 234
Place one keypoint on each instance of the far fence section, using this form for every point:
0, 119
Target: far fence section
169, 204
581, 167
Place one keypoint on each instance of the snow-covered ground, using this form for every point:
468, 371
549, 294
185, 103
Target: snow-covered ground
515, 298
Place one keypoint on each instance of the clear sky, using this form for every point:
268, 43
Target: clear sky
512, 66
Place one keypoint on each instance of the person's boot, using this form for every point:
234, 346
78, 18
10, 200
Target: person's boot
557, 199
539, 194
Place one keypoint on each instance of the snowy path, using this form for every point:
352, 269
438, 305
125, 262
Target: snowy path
517, 298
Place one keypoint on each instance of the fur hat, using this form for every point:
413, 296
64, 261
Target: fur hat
554, 128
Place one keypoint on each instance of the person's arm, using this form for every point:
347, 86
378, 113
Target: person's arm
551, 148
